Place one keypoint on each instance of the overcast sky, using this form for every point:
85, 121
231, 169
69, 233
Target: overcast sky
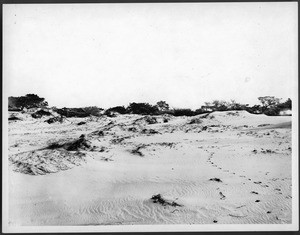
186, 53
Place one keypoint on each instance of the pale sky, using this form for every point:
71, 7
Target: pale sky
77, 55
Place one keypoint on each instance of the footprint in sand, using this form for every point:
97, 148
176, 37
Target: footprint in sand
222, 196
257, 182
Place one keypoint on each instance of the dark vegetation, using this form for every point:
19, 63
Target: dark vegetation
137, 151
55, 119
72, 112
269, 105
79, 112
159, 199
76, 145
142, 108
81, 123
13, 118
215, 179
28, 101
117, 109
40, 113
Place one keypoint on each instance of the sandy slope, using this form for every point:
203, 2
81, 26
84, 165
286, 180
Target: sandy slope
225, 167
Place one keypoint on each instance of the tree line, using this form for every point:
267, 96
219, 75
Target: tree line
269, 105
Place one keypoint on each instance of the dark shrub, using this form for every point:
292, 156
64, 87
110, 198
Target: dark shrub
286, 105
40, 113
142, 108
272, 111
200, 111
168, 112
54, 119
72, 112
183, 112
117, 109
255, 109
93, 110
79, 112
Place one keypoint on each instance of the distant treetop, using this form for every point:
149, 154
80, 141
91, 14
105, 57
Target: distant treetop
27, 101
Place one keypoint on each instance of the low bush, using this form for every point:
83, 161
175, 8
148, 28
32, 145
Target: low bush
40, 113
117, 109
183, 112
54, 119
142, 108
196, 121
93, 110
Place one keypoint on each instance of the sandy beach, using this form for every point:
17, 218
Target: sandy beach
228, 167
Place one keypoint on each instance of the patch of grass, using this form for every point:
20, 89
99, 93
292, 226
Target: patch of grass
159, 199
137, 151
195, 121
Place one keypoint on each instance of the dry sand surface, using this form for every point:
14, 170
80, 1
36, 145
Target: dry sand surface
224, 167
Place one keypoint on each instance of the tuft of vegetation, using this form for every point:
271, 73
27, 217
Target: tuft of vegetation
54, 119
81, 123
159, 199
14, 118
137, 151
196, 121
149, 131
76, 145
40, 113
215, 179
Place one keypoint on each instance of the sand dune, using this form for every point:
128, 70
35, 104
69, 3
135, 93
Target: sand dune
225, 168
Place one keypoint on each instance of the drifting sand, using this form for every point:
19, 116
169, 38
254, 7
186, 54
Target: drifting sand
223, 168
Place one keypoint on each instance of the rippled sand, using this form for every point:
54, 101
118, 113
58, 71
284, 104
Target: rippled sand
223, 168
